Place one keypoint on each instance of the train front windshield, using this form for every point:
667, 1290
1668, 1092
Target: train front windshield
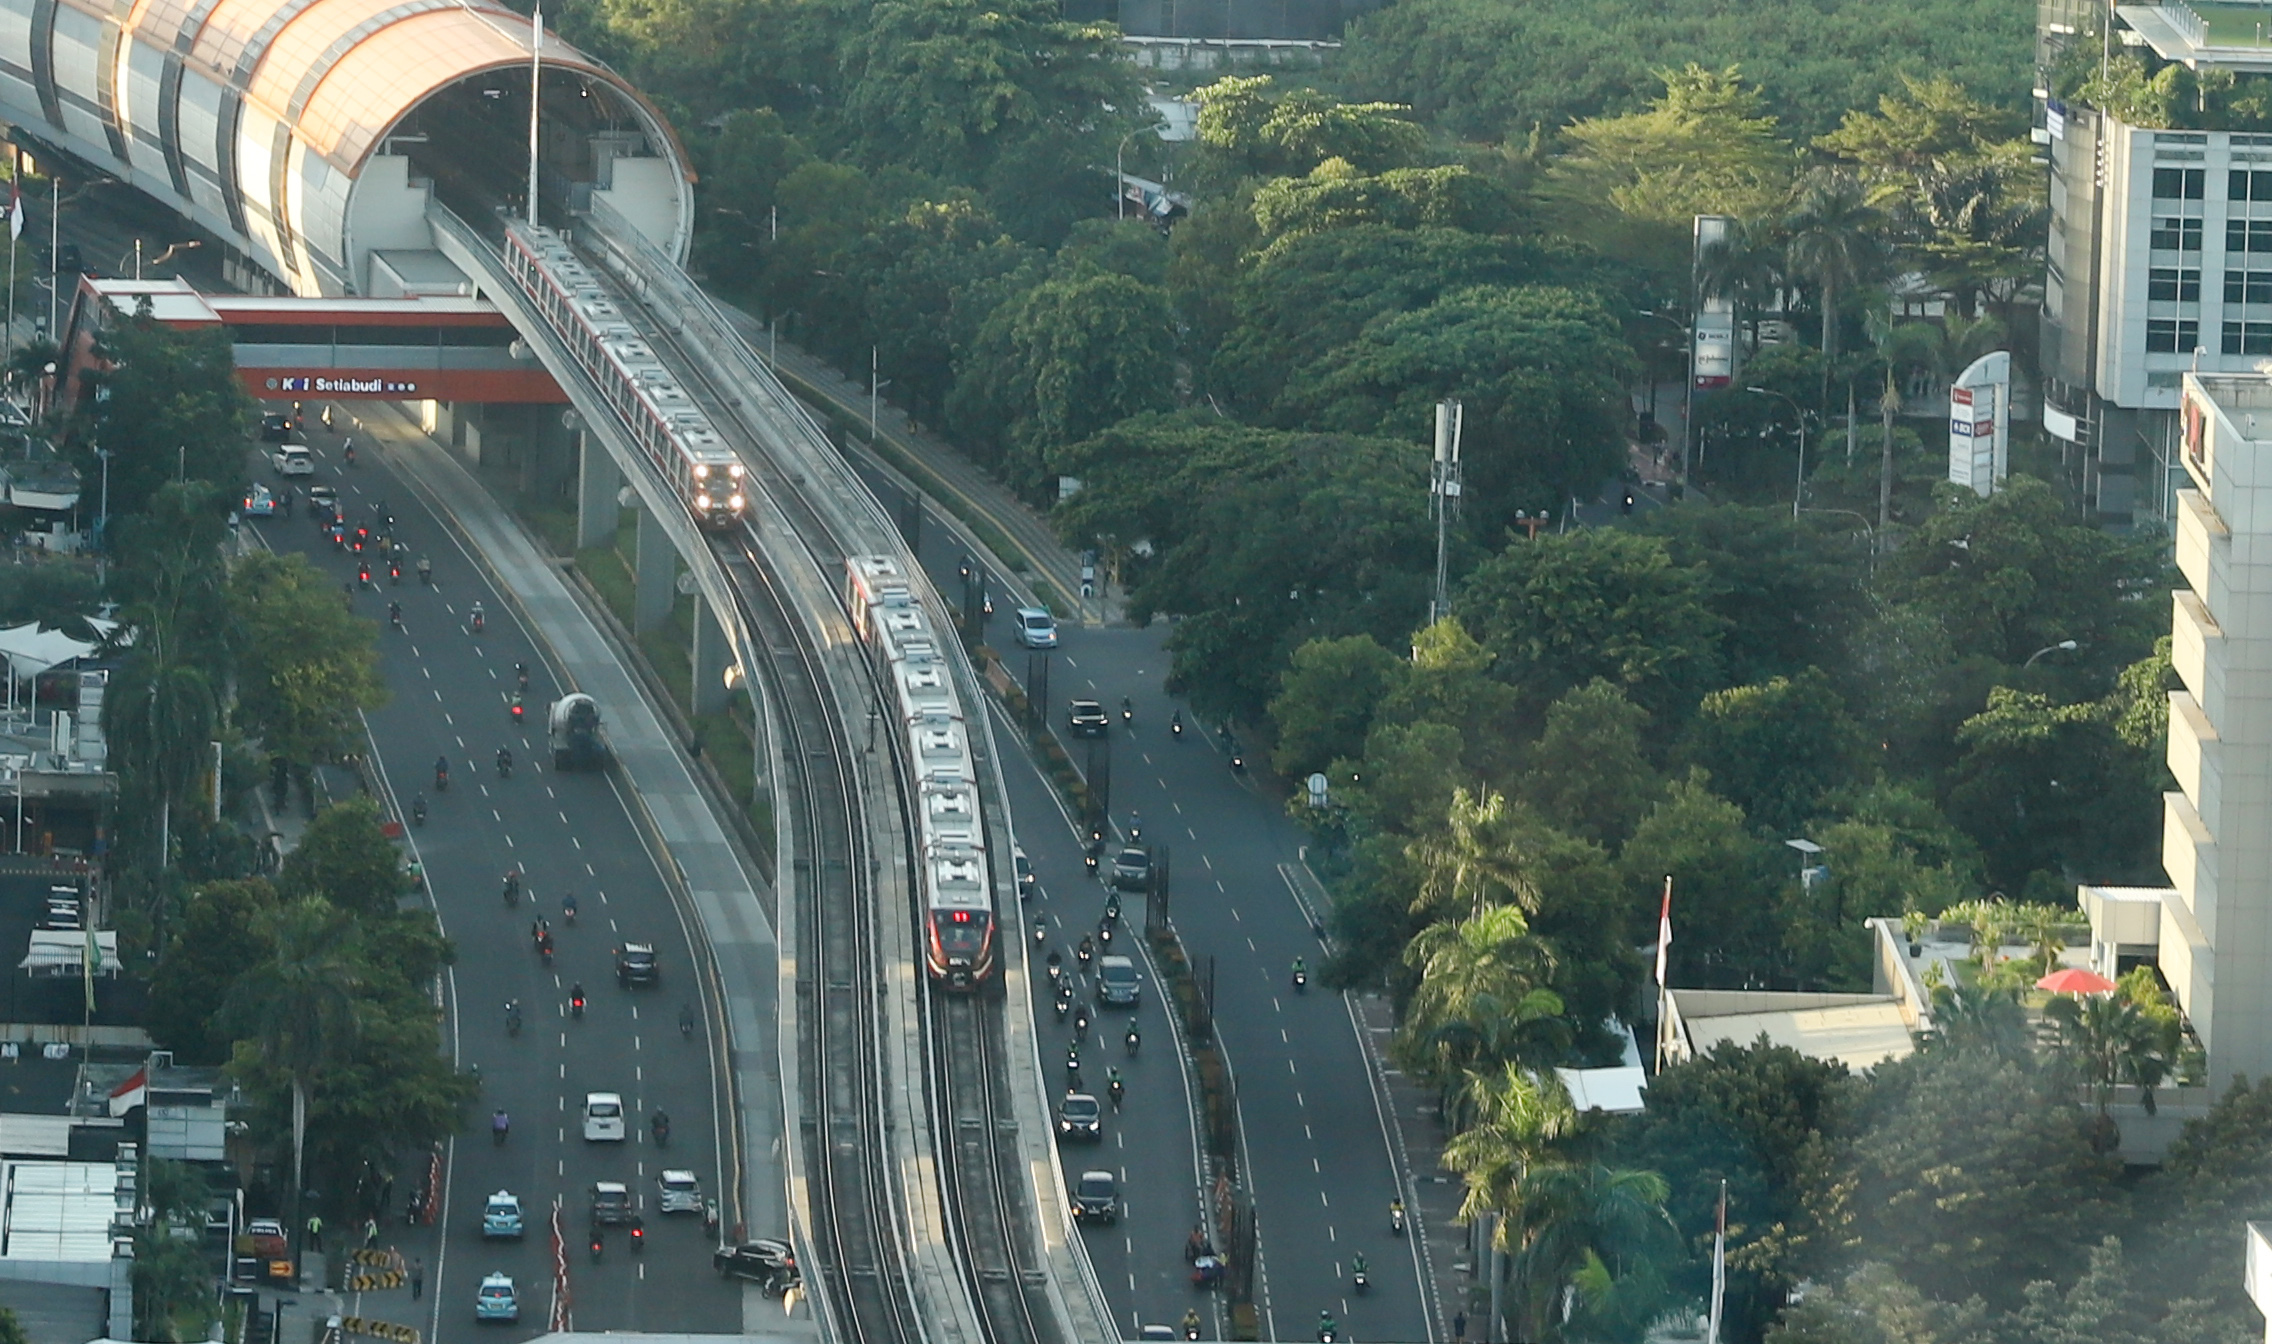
961, 935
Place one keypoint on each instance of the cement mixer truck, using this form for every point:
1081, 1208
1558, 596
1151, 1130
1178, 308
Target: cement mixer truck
575, 728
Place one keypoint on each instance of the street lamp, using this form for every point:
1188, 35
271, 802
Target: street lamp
1119, 184
1687, 384
1798, 491
2063, 646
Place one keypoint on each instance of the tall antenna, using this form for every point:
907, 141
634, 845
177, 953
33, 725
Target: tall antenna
536, 98
1443, 488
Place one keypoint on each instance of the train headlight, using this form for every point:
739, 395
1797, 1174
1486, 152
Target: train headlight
702, 501
702, 471
735, 471
736, 503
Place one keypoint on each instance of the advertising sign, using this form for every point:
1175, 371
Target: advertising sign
1980, 413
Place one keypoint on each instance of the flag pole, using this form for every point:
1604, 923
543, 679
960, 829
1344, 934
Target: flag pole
1664, 995
15, 232
1719, 1268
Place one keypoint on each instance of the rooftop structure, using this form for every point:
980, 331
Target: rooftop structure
307, 135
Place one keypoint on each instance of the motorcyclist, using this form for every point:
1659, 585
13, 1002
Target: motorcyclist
1081, 1023
394, 613
504, 760
1112, 1082
1190, 1323
568, 906
685, 1019
347, 451
521, 673
1087, 951
513, 885
576, 999
1134, 1038
425, 571
500, 1124
480, 619
441, 773
662, 1126
1127, 710
1327, 1327
1357, 1263
418, 809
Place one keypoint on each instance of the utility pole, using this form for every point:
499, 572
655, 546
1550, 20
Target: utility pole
536, 98
1443, 488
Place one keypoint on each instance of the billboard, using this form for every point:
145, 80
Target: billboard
1980, 428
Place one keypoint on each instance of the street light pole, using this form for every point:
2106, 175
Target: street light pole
2063, 646
1687, 384
1798, 491
1443, 488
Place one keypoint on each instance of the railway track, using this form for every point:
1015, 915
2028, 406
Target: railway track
983, 1176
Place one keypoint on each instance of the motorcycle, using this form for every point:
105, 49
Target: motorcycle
418, 812
686, 1024
599, 1244
1396, 1217
638, 1238
480, 621
500, 1125
512, 888
1056, 967
1207, 1271
426, 572
1064, 1006
521, 673
1073, 1068
1175, 725
513, 1018
1112, 908
662, 1128
1040, 930
1134, 1039
441, 779
576, 1005
1086, 952
1127, 713
1081, 1024
1104, 937
518, 711
1119, 1090
1359, 1281
1301, 982
394, 575
504, 765
544, 948
568, 908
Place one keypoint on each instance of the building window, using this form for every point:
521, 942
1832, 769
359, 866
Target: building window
2166, 337
2179, 184
2168, 284
2248, 287
2248, 338
2171, 234
2248, 185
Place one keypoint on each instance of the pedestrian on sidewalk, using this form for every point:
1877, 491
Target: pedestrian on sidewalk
370, 1233
315, 1232
417, 1278
1459, 1327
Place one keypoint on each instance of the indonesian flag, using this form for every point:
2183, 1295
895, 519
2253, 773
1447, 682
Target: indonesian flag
15, 209
131, 1093
1664, 932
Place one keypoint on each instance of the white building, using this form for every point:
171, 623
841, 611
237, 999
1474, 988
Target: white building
2159, 262
2210, 932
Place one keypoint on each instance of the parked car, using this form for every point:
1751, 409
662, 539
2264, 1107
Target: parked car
268, 1241
501, 1216
680, 1191
498, 1300
1037, 629
1096, 1198
768, 1263
1132, 869
1117, 982
635, 965
611, 1203
293, 459
1087, 719
1079, 1118
603, 1117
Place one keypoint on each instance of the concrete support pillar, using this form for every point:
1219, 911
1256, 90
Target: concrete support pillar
655, 576
596, 487
709, 658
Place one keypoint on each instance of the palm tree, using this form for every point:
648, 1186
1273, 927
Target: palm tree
1836, 238
1473, 861
2113, 1043
299, 1008
1482, 998
1978, 1019
159, 720
1518, 1116
1577, 1216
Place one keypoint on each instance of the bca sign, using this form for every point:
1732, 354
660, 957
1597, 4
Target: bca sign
1980, 424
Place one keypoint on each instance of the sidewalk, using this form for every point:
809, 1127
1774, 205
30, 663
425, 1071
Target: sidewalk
964, 488
1432, 1195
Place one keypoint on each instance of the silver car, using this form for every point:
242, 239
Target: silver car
680, 1192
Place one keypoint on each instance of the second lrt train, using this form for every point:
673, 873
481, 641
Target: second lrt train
955, 882
669, 428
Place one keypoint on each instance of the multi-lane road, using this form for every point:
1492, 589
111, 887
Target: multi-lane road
1318, 1145
450, 695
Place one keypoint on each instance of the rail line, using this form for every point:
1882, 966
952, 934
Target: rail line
983, 1178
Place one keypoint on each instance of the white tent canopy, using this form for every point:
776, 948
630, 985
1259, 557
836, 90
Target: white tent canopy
31, 650
64, 952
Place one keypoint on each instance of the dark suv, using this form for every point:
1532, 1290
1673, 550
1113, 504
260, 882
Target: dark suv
1096, 1198
1087, 719
635, 965
1131, 869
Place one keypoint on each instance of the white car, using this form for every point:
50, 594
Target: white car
293, 459
681, 1192
603, 1117
1037, 629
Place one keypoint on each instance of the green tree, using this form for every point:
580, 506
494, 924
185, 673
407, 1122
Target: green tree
1514, 1119
297, 1012
1775, 749
1588, 774
1248, 128
1725, 886
1062, 362
1482, 1001
1540, 373
1448, 681
1575, 1220
2112, 1043
1335, 195
1473, 863
1326, 701
1834, 237
1603, 603
11, 1329
1634, 184
344, 858
2045, 787
308, 665
1974, 1172
220, 932
167, 407
1875, 1305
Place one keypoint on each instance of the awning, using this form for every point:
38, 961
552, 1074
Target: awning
31, 650
63, 952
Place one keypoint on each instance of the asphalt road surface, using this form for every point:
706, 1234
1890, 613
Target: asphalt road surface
451, 691
1322, 1173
